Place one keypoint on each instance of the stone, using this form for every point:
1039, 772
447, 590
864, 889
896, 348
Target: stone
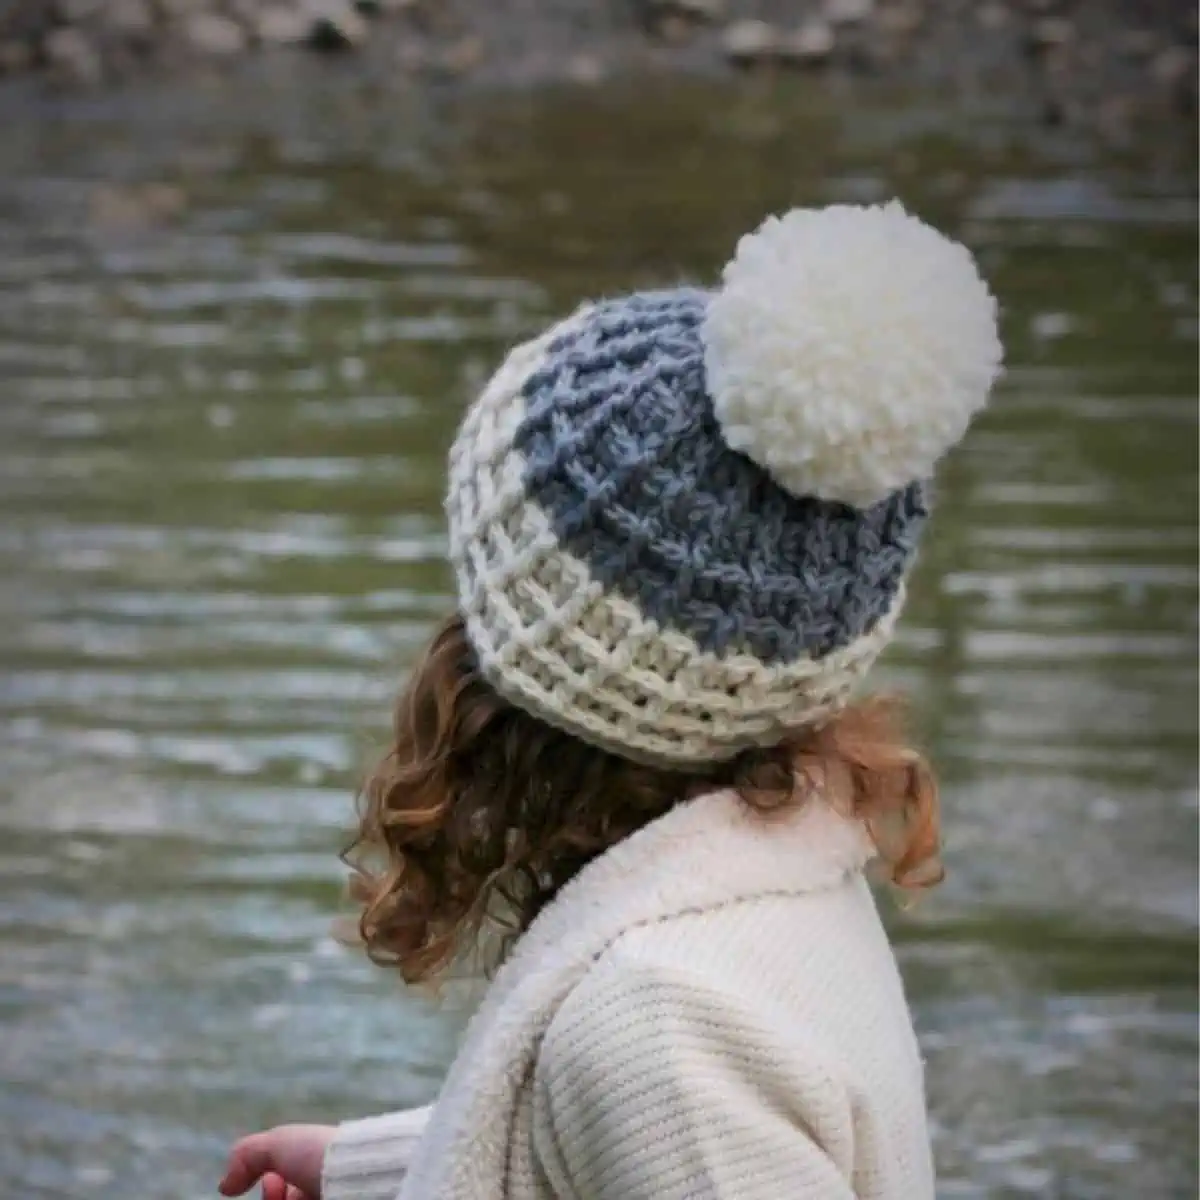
1172, 66
810, 45
76, 11
585, 69
281, 24
176, 10
411, 57
1137, 43
244, 12
164, 201
335, 24
848, 12
1115, 118
693, 10
992, 16
215, 35
131, 18
135, 206
15, 57
113, 207
899, 20
1051, 32
461, 56
1059, 66
73, 56
674, 30
748, 42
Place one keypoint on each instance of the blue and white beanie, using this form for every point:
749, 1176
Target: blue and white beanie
681, 521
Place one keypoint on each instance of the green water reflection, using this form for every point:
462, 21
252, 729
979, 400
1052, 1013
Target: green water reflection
221, 444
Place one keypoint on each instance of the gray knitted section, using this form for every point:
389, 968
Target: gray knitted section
624, 454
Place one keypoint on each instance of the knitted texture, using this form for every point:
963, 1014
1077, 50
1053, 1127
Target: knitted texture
708, 1011
369, 1158
681, 684
624, 454
627, 574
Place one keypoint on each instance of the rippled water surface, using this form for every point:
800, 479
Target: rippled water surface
236, 332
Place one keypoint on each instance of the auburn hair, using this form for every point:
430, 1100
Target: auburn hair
479, 812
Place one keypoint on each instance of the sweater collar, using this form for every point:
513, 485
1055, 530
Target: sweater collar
707, 852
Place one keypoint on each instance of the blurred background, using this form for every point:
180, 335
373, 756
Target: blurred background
254, 261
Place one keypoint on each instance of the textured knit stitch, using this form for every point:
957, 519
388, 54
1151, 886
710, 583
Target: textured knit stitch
369, 1158
623, 452
709, 1011
553, 640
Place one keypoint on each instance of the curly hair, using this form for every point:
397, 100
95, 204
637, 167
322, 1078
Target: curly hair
479, 812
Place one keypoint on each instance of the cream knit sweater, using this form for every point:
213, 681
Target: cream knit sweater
708, 1011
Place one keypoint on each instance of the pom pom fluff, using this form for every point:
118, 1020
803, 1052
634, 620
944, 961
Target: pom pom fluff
848, 349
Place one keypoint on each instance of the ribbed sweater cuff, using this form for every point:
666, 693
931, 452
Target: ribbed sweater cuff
367, 1159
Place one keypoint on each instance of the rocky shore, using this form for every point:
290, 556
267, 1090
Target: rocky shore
1111, 65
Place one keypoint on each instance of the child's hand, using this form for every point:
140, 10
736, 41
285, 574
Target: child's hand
287, 1159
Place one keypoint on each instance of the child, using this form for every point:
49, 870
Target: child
680, 524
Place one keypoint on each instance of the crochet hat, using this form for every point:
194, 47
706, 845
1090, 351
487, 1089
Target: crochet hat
681, 521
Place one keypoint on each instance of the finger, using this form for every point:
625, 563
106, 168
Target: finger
294, 1193
249, 1160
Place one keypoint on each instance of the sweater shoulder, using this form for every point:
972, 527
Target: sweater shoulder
648, 1051
753, 1020
812, 975
768, 945
757, 963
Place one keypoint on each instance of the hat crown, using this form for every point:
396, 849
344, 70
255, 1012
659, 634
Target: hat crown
674, 535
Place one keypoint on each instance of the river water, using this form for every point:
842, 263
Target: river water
238, 325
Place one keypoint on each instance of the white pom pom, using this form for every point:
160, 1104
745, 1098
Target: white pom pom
848, 349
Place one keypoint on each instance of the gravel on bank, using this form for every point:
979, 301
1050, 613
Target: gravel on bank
1109, 65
